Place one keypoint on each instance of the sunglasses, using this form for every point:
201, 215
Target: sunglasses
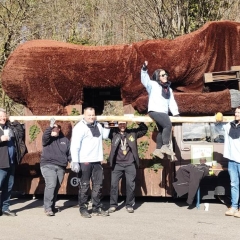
163, 75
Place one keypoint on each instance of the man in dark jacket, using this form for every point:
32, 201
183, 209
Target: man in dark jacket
9, 156
54, 160
123, 160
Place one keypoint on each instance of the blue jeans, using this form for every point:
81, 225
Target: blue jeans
53, 176
234, 172
6, 185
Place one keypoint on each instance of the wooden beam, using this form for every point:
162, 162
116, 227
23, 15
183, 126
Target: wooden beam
235, 68
127, 118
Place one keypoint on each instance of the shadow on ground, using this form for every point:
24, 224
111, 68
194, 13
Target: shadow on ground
69, 201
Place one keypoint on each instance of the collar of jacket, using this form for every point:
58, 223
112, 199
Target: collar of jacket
86, 123
234, 131
124, 134
235, 124
165, 85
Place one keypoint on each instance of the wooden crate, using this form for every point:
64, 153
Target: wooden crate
221, 76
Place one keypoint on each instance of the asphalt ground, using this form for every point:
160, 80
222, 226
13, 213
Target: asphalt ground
154, 218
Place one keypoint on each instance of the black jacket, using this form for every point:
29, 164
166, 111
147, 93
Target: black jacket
18, 133
56, 150
131, 135
188, 180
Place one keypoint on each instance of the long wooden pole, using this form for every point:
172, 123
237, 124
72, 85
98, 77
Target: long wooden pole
127, 118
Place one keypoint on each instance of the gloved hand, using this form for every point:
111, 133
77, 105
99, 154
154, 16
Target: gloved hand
144, 67
52, 121
219, 117
75, 167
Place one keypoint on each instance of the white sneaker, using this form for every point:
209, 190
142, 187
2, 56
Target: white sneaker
166, 149
237, 214
231, 212
157, 153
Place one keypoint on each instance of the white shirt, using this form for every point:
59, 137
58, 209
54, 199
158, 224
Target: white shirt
231, 146
85, 147
156, 102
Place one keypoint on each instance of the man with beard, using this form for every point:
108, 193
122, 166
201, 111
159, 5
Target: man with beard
123, 159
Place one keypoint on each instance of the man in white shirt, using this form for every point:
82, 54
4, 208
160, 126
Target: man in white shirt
87, 154
232, 153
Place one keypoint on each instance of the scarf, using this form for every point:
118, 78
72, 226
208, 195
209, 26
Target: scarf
94, 129
165, 89
234, 131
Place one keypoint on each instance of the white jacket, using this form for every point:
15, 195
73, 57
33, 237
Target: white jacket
85, 147
156, 102
231, 146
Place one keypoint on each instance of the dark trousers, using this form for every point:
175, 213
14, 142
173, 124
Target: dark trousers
94, 172
130, 174
164, 128
6, 185
53, 176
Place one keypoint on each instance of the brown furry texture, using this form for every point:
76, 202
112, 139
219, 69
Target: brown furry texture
193, 103
47, 75
29, 165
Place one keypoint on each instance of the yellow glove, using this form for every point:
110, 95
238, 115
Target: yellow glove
211, 172
219, 117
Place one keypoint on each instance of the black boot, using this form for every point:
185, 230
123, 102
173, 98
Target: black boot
84, 213
100, 212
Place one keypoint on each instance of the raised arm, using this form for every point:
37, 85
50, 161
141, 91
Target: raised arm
46, 138
105, 131
145, 79
141, 130
76, 143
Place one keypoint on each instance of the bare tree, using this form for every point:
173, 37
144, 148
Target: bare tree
170, 18
13, 14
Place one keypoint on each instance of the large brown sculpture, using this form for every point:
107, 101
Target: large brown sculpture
47, 75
